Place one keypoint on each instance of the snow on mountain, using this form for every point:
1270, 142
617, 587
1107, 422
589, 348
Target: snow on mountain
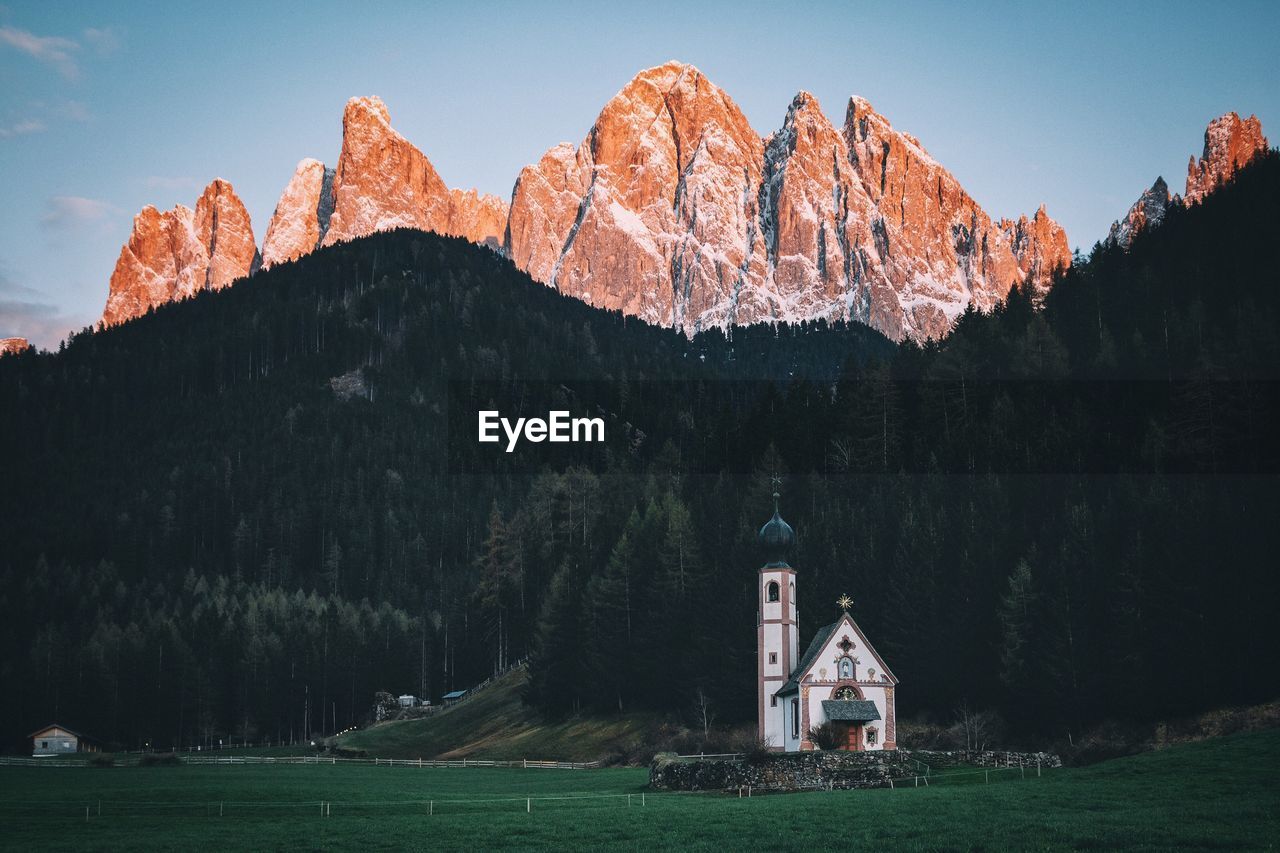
673, 209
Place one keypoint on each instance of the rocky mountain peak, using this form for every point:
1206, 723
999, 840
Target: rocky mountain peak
1148, 210
176, 253
1229, 143
302, 214
13, 345
383, 181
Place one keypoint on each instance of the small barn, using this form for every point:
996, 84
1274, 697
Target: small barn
56, 739
454, 697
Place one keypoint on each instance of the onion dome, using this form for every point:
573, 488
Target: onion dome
776, 539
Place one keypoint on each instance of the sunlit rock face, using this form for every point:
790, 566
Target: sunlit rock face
384, 182
1040, 246
674, 210
1147, 212
13, 345
301, 217
175, 253
1230, 142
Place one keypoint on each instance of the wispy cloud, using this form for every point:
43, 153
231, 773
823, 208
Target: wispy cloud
22, 128
104, 40
27, 312
73, 212
54, 51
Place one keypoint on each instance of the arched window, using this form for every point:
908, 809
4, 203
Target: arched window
771, 593
845, 693
795, 718
846, 667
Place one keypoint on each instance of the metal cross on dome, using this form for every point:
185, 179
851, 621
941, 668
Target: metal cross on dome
844, 602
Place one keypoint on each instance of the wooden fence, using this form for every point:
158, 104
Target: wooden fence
226, 760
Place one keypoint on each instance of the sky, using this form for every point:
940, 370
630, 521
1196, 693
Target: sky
106, 107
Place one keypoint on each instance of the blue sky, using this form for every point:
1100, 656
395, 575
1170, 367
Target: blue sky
105, 107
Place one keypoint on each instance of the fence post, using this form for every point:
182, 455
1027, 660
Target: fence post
1037, 767
642, 798
220, 805
86, 814
528, 805
988, 774
628, 801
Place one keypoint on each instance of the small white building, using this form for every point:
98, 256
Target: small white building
57, 739
840, 679
407, 701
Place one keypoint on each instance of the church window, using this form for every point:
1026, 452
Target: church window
772, 591
846, 667
773, 657
871, 735
795, 718
773, 701
844, 693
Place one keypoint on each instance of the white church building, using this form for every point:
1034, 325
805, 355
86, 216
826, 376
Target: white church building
840, 679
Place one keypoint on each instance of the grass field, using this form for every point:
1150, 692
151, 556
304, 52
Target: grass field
496, 724
1220, 794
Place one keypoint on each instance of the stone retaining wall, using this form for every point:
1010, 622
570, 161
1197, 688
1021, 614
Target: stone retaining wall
939, 760
834, 770
787, 772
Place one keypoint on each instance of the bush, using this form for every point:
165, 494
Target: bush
348, 752
159, 759
824, 737
758, 751
102, 760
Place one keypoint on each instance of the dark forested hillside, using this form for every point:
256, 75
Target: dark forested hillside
241, 514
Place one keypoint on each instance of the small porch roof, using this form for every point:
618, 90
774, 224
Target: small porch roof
850, 710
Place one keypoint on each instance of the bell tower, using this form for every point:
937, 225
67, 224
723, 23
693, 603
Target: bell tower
777, 635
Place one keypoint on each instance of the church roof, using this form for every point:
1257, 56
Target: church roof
815, 646
850, 710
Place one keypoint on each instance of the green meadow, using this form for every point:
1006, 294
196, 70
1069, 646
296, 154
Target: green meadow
1218, 794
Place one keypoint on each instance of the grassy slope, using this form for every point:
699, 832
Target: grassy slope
1213, 794
495, 724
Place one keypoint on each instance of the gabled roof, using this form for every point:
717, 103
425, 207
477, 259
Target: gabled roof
66, 729
820, 639
457, 694
815, 646
850, 710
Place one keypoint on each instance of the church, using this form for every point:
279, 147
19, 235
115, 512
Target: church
840, 679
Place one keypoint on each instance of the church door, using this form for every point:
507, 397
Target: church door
848, 736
